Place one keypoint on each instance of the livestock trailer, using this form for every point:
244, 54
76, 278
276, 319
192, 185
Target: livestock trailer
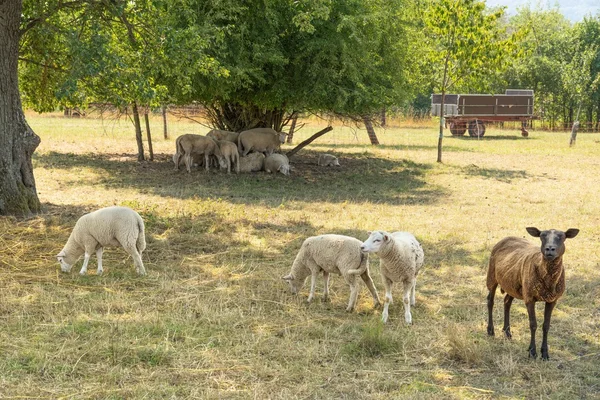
472, 111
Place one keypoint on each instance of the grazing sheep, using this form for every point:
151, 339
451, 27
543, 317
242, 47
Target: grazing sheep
218, 134
230, 154
401, 259
331, 253
188, 145
327, 160
264, 140
277, 162
530, 273
110, 226
253, 162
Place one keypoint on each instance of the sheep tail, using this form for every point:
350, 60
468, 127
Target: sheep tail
141, 239
364, 264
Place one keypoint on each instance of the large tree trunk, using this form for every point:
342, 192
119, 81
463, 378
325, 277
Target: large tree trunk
290, 136
371, 131
308, 141
18, 195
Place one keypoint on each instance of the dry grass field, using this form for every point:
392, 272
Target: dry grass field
214, 320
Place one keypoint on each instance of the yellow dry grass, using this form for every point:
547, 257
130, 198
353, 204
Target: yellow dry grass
213, 319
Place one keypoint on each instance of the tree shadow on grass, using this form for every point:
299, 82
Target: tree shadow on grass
400, 147
362, 178
502, 175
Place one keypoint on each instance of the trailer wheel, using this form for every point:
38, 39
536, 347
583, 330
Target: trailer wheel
476, 128
458, 128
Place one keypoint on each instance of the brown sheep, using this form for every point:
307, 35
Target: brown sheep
230, 154
218, 134
188, 145
524, 272
264, 140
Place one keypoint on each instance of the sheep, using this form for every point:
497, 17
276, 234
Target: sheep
230, 154
252, 162
401, 257
188, 145
331, 254
110, 226
530, 273
218, 134
327, 160
264, 140
277, 162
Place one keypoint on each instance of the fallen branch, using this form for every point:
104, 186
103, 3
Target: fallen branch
308, 141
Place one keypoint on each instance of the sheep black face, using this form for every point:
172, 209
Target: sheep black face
553, 241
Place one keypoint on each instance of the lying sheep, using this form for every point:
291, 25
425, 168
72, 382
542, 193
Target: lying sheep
110, 226
230, 154
264, 140
218, 134
253, 162
530, 273
327, 160
331, 254
277, 163
189, 145
401, 259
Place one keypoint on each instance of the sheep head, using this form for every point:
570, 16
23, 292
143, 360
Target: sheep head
553, 241
374, 242
295, 283
66, 262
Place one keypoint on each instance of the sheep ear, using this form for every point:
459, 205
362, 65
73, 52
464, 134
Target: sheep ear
386, 238
571, 233
369, 233
535, 232
61, 254
289, 277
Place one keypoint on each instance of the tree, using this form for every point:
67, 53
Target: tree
18, 195
465, 43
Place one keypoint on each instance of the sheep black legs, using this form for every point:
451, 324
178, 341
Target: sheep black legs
532, 328
490, 304
508, 299
545, 328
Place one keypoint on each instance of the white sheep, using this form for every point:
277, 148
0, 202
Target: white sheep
218, 134
401, 259
328, 160
277, 163
264, 140
189, 145
331, 254
230, 154
252, 162
110, 226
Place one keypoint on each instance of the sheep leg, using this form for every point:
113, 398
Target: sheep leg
369, 282
490, 304
313, 285
412, 294
188, 163
228, 165
86, 259
388, 298
508, 299
137, 259
99, 257
326, 286
206, 160
406, 300
353, 295
545, 328
532, 328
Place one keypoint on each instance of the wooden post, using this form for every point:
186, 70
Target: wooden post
383, 117
575, 128
308, 141
370, 130
148, 136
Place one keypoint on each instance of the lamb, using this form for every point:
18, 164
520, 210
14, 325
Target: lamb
230, 154
401, 259
527, 272
328, 160
331, 254
188, 145
110, 226
252, 162
218, 134
277, 162
264, 140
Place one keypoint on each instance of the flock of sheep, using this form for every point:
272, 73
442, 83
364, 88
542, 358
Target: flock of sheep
248, 151
521, 269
